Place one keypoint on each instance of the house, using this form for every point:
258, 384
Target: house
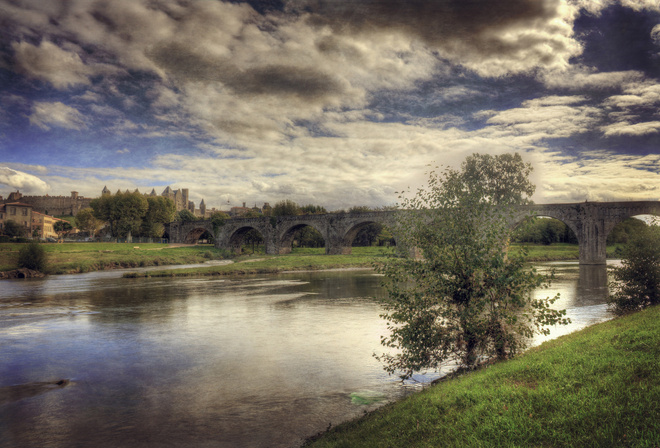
18, 212
43, 225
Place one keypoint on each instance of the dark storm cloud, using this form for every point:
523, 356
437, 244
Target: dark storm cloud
478, 24
274, 79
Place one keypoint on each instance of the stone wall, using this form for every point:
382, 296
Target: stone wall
54, 205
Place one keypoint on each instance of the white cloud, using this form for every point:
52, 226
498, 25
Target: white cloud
27, 183
57, 114
625, 128
579, 78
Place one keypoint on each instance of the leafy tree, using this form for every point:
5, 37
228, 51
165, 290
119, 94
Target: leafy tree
500, 180
32, 256
253, 238
87, 222
123, 212
160, 210
636, 282
466, 299
285, 208
545, 231
312, 209
185, 216
308, 236
13, 229
625, 230
62, 227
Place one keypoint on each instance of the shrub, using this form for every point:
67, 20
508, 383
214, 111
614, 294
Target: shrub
637, 281
32, 256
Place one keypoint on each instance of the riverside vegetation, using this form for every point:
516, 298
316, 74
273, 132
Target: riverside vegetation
592, 388
69, 258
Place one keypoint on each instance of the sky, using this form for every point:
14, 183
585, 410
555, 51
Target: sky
328, 102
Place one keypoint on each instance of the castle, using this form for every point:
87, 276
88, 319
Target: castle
71, 205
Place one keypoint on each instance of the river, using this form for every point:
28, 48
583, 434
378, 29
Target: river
261, 361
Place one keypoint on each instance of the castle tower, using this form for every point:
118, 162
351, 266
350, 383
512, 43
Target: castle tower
105, 191
202, 208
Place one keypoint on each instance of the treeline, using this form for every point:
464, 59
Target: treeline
550, 230
125, 214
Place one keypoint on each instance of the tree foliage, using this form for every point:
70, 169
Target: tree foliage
123, 212
311, 209
32, 256
545, 231
185, 216
62, 227
636, 282
87, 222
625, 230
466, 299
13, 229
160, 210
285, 208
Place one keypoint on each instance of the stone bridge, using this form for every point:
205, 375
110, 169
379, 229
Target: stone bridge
590, 221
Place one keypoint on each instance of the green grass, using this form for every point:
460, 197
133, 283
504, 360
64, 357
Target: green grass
85, 257
299, 260
594, 388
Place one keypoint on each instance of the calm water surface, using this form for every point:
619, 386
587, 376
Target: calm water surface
246, 362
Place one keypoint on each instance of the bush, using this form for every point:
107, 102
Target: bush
637, 281
32, 256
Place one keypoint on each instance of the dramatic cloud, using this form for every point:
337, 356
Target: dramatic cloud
48, 62
492, 38
27, 183
57, 114
338, 103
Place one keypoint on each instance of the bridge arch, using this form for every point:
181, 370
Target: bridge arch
238, 236
286, 237
525, 227
632, 212
194, 234
353, 231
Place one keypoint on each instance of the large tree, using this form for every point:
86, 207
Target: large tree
124, 212
285, 208
87, 222
465, 299
160, 210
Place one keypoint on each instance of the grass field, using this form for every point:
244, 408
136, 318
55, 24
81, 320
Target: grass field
67, 258
85, 257
599, 387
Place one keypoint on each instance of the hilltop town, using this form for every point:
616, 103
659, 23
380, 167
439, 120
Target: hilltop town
38, 213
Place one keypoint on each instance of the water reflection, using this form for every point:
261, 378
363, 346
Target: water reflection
260, 361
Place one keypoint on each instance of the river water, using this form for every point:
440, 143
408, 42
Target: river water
261, 361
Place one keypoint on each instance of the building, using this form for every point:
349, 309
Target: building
43, 226
18, 212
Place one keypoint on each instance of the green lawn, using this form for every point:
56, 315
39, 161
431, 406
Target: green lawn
85, 257
599, 387
66, 258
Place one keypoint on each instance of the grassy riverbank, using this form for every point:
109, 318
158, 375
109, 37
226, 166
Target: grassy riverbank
85, 257
315, 259
69, 258
593, 388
